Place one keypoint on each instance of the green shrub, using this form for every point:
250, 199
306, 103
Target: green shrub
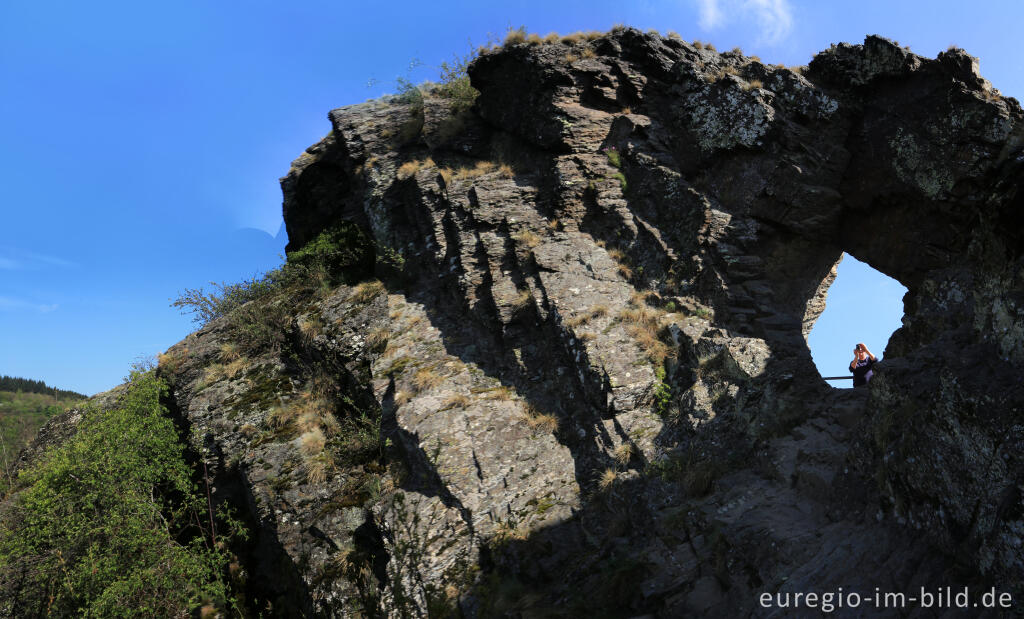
619, 176
207, 306
614, 157
111, 524
455, 85
662, 393
339, 254
259, 309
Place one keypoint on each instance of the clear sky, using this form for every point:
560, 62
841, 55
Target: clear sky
141, 142
863, 306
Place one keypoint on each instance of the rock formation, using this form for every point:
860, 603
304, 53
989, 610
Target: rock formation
589, 359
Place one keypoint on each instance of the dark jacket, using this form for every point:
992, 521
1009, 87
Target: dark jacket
862, 371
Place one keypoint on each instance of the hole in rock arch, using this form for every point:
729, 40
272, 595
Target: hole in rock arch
862, 305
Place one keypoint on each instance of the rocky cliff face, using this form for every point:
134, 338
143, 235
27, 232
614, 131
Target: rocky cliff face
589, 354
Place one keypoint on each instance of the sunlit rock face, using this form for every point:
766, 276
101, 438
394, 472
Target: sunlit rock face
596, 392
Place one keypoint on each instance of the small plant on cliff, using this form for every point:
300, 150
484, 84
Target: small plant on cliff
614, 157
113, 524
455, 85
257, 310
662, 392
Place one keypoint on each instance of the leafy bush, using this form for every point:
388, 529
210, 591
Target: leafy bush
207, 306
111, 524
339, 254
259, 310
455, 85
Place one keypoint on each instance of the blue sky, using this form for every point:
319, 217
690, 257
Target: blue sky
142, 141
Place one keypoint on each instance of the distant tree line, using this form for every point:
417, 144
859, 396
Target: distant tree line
27, 385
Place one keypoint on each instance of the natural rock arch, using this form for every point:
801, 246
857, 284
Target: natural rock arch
733, 189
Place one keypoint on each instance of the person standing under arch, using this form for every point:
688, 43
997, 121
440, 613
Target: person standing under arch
861, 365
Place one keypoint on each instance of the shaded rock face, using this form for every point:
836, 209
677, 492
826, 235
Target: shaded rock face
596, 391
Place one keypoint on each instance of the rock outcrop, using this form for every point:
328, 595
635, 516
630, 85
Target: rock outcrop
590, 359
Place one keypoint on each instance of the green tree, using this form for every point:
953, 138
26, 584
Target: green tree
111, 523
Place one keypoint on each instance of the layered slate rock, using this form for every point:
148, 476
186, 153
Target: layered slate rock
711, 196
596, 392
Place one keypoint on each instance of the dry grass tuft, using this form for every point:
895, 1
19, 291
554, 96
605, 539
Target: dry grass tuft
316, 470
542, 422
366, 291
248, 430
625, 271
751, 85
627, 110
571, 58
656, 350
312, 442
522, 301
643, 325
426, 378
572, 38
644, 297
552, 37
506, 171
501, 393
456, 401
446, 175
481, 168
623, 453
586, 336
212, 374
583, 318
528, 238
307, 413
534, 39
641, 316
172, 361
311, 328
515, 36
402, 396
607, 480
229, 352
672, 34
377, 340
588, 53
538, 420
409, 168
233, 369
280, 416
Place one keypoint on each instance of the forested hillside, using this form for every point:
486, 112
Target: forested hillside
25, 405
